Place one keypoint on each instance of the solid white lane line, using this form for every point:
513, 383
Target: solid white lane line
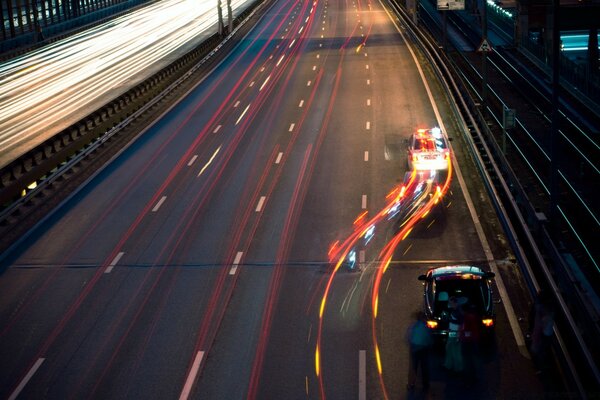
243, 113
160, 202
279, 158
368, 125
301, 103
236, 262
261, 202
364, 201
217, 129
189, 382
114, 262
362, 375
264, 83
291, 127
192, 160
237, 103
29, 375
366, 156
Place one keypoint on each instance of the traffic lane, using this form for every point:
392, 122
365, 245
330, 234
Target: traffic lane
503, 371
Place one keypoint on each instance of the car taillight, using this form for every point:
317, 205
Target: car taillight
487, 322
432, 324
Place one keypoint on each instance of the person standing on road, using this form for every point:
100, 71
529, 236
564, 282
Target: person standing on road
454, 358
420, 342
469, 337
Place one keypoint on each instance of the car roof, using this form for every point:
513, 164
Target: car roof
457, 271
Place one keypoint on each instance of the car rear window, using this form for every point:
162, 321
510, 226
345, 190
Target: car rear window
429, 144
472, 290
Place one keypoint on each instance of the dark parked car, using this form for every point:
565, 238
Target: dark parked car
470, 285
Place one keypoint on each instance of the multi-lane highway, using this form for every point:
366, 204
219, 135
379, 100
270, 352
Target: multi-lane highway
201, 263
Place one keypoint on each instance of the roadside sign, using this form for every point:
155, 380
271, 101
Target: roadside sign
450, 5
485, 46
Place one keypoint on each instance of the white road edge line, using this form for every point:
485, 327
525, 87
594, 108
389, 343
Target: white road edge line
189, 382
25, 380
114, 262
236, 262
160, 202
261, 202
510, 312
362, 375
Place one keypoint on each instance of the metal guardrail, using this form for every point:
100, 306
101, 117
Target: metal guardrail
493, 170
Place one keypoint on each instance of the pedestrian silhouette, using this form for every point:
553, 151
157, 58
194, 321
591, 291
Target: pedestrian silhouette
420, 342
454, 359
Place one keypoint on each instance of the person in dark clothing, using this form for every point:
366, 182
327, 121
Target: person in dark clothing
420, 342
470, 337
454, 360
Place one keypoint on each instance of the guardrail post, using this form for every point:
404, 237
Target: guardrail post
220, 14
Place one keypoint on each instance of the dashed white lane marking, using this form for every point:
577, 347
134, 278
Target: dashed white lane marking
25, 380
260, 204
279, 158
308, 83
367, 66
192, 160
219, 126
236, 262
368, 81
318, 56
209, 161
189, 382
364, 201
237, 103
251, 84
160, 202
362, 375
243, 113
368, 102
368, 125
291, 44
366, 54
301, 103
292, 125
306, 20
366, 156
280, 60
314, 67
114, 262
264, 83
300, 31
262, 69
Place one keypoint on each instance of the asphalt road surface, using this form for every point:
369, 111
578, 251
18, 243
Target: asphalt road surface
198, 263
